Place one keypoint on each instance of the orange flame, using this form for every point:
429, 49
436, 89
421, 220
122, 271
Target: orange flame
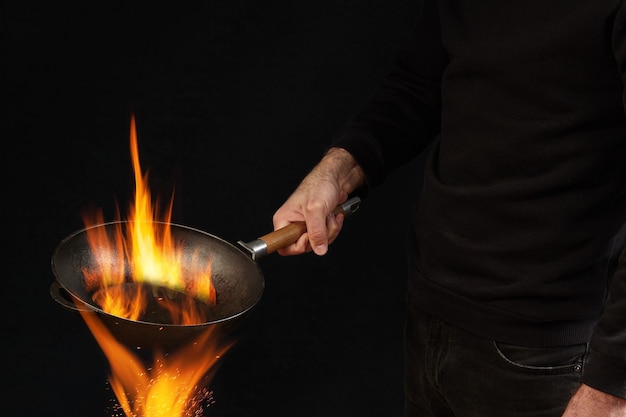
144, 254
152, 255
171, 388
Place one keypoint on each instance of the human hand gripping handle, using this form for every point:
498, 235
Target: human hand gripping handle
329, 183
289, 234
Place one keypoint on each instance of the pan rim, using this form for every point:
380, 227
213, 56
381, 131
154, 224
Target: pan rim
96, 309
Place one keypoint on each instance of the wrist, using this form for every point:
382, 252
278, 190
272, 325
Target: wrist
348, 173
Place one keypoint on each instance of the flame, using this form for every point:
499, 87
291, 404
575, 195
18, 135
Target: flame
137, 263
152, 255
171, 387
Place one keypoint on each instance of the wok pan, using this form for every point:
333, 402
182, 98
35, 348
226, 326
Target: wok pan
236, 276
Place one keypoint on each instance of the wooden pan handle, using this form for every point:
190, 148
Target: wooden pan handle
289, 234
283, 237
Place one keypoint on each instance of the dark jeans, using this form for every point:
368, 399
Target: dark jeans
451, 373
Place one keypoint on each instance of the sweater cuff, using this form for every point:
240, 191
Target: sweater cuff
605, 374
366, 151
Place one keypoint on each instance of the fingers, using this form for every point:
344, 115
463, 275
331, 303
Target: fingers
334, 225
317, 229
300, 246
319, 242
317, 238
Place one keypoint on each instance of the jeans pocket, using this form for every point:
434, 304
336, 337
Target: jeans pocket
560, 359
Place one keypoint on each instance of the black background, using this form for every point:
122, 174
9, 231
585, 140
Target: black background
235, 101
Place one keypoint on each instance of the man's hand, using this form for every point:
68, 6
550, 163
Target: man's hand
328, 184
589, 402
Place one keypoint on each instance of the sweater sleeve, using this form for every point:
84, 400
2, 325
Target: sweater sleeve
605, 369
404, 115
606, 365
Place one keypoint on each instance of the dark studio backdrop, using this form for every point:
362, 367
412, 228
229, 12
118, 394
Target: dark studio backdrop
235, 101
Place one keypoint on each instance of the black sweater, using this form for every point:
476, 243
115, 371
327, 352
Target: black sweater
521, 220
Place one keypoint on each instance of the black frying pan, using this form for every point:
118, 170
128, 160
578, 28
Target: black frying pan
236, 277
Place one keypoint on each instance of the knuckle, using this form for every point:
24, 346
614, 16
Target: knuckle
316, 206
317, 236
